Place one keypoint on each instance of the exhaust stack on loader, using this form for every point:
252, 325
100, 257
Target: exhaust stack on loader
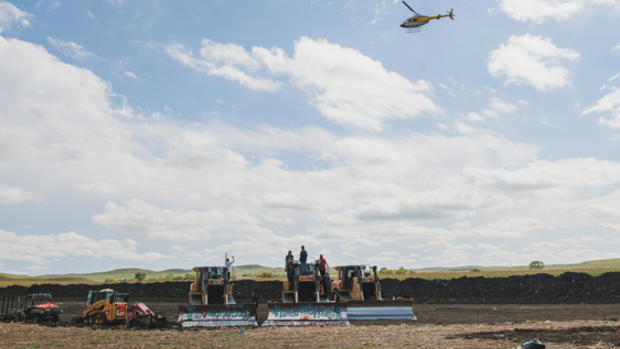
360, 288
306, 302
211, 302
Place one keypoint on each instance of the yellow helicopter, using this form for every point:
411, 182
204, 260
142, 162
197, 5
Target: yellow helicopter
413, 23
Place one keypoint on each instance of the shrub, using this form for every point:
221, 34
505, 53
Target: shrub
140, 276
475, 270
266, 274
402, 270
537, 265
385, 270
110, 280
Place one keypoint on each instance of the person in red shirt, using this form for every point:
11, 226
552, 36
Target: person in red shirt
322, 265
326, 291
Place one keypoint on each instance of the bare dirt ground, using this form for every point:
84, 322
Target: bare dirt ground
574, 334
438, 313
439, 326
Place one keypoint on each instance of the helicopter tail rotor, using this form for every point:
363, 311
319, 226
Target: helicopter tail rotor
451, 14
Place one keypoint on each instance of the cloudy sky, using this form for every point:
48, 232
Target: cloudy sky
164, 134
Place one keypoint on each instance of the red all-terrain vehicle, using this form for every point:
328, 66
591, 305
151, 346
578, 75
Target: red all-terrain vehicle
38, 307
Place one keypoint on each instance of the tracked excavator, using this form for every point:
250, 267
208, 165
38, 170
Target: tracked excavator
306, 301
211, 302
359, 287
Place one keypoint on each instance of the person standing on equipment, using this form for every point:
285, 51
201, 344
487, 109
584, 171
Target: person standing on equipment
323, 265
303, 257
228, 266
290, 268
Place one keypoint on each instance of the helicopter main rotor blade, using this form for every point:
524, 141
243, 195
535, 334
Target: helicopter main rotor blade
410, 9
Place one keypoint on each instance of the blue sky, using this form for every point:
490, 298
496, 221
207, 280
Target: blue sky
164, 134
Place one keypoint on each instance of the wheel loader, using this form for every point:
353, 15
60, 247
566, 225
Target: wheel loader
306, 301
105, 307
360, 287
211, 301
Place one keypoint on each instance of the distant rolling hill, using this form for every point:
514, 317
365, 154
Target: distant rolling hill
259, 271
128, 274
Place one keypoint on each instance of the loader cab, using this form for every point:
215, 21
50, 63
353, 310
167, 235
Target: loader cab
347, 274
96, 296
210, 286
357, 282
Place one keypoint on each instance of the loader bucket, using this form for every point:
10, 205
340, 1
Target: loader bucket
217, 315
380, 310
306, 314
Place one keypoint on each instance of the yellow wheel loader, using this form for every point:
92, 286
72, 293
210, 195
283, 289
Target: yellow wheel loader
211, 302
306, 301
105, 307
359, 286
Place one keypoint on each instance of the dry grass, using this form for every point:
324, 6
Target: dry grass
560, 335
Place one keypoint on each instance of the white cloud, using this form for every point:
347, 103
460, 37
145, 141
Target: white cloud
10, 195
531, 60
90, 14
12, 16
256, 191
213, 62
176, 224
131, 75
69, 48
610, 104
537, 11
616, 49
43, 249
496, 108
346, 86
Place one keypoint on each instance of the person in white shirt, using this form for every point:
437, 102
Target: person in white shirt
228, 264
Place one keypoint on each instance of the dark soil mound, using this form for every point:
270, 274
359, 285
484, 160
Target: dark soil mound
528, 289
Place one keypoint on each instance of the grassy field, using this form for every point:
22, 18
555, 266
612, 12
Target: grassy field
259, 272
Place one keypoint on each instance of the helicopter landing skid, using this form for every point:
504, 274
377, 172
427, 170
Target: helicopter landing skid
412, 30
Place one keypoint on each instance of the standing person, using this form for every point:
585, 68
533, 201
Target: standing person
324, 277
290, 268
303, 257
323, 265
228, 265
